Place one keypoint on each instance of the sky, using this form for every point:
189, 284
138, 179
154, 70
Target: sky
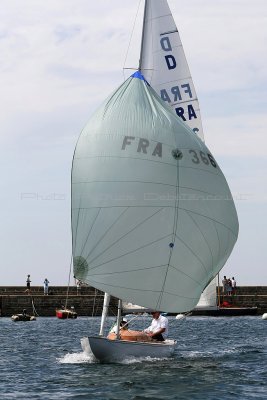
59, 59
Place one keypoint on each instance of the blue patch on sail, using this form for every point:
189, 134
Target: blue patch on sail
138, 75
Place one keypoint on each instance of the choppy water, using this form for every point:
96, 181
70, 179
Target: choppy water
216, 358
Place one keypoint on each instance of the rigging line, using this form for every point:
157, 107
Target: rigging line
102, 237
191, 251
33, 308
123, 236
93, 309
153, 71
90, 230
129, 252
68, 284
187, 212
130, 39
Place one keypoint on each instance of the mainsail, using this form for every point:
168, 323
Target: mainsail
153, 219
163, 63
208, 299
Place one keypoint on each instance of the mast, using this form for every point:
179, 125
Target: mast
142, 41
104, 313
219, 302
118, 320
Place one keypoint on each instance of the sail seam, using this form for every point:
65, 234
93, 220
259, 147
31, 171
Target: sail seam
160, 162
175, 222
173, 47
167, 33
111, 226
129, 252
78, 217
129, 271
141, 290
190, 277
191, 251
123, 236
212, 219
159, 183
90, 231
219, 244
176, 80
188, 213
161, 16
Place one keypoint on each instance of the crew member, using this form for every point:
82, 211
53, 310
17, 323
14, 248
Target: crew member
158, 330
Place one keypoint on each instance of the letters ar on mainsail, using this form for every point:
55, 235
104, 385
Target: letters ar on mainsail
164, 65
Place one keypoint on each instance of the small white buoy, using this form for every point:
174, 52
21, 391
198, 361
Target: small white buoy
264, 316
180, 316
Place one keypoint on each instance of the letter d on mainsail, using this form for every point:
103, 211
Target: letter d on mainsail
157, 251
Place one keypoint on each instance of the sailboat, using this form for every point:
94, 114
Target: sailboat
153, 220
210, 304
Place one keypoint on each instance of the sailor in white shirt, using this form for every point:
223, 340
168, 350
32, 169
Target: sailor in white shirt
158, 329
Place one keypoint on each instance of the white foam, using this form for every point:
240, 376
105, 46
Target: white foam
77, 358
132, 360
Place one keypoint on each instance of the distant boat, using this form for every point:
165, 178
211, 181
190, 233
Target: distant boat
153, 220
209, 304
23, 317
66, 313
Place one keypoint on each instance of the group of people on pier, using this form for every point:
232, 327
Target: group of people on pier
229, 286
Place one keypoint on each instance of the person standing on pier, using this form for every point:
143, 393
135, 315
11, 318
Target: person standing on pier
79, 287
46, 286
233, 285
229, 287
28, 283
224, 283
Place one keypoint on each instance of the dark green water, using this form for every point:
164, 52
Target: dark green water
216, 358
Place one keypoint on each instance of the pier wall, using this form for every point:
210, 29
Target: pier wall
13, 299
89, 303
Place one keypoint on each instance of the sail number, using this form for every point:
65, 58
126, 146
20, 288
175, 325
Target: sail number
206, 158
144, 146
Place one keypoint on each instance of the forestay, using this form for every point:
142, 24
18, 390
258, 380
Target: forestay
153, 219
164, 65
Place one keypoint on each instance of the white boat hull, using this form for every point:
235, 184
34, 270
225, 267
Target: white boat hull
106, 350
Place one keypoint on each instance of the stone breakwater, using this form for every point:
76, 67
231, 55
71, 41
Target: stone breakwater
13, 299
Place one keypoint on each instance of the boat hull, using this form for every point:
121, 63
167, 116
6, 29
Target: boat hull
66, 314
21, 317
106, 350
226, 312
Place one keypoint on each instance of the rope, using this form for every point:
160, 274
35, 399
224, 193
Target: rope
34, 309
130, 41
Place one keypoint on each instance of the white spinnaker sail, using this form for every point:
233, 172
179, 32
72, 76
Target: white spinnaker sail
153, 219
163, 63
208, 298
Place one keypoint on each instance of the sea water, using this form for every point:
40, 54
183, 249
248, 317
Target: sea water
215, 358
